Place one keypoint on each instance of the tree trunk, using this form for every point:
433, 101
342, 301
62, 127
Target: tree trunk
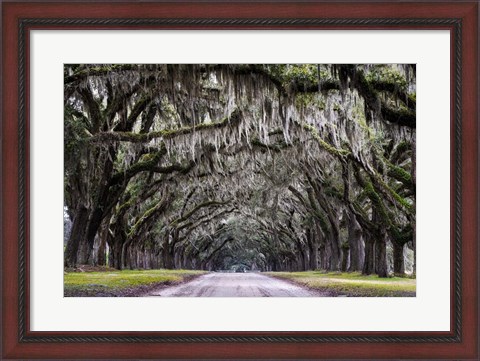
100, 256
301, 261
77, 234
381, 256
306, 258
168, 261
188, 264
313, 257
313, 248
100, 205
345, 257
335, 253
93, 226
124, 255
177, 259
85, 253
356, 245
323, 256
115, 254
414, 227
132, 258
116, 240
369, 263
398, 259
414, 248
275, 265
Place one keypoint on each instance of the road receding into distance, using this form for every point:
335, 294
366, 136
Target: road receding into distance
236, 285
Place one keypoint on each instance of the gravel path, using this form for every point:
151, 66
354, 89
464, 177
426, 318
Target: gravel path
235, 285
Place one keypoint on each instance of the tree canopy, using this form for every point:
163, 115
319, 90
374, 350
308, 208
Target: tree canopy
240, 166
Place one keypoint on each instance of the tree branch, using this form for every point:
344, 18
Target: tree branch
131, 137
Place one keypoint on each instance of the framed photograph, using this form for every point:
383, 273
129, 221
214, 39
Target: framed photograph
307, 170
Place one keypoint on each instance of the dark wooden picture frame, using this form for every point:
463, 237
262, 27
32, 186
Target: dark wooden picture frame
460, 18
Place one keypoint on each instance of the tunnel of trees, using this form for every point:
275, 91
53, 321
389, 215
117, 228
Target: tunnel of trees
260, 167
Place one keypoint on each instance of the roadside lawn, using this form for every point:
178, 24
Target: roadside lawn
352, 284
126, 283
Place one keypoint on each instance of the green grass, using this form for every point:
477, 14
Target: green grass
120, 283
352, 284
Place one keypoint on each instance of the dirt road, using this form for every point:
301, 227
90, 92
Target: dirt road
236, 285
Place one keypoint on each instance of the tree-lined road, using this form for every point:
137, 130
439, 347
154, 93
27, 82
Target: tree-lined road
236, 285
281, 167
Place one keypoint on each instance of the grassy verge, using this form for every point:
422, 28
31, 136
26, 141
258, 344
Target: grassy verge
127, 283
352, 284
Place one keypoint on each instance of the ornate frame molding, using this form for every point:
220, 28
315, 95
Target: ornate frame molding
23, 29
